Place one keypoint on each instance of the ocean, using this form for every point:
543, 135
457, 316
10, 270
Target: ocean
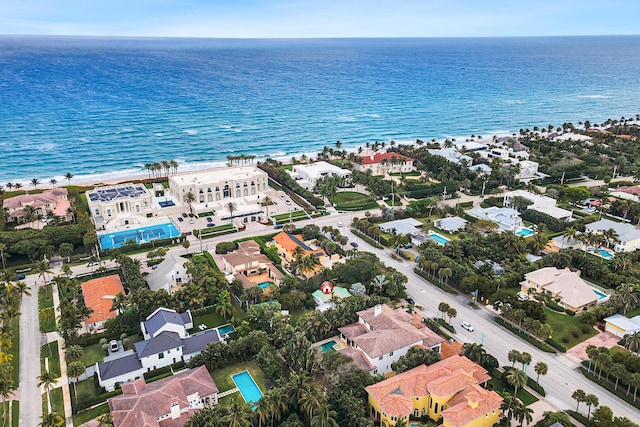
103, 107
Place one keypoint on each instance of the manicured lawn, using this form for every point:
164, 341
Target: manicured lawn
15, 413
45, 297
222, 378
51, 351
294, 214
93, 353
564, 325
212, 320
57, 403
48, 322
86, 388
352, 200
15, 352
89, 415
526, 397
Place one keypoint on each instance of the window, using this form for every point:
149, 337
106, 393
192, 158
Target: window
146, 204
210, 197
436, 408
137, 208
160, 355
237, 193
391, 354
381, 357
253, 191
245, 184
394, 419
246, 192
217, 196
415, 411
209, 190
202, 199
98, 211
201, 191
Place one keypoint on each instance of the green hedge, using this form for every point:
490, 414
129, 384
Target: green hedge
94, 400
367, 239
209, 258
531, 339
553, 306
555, 344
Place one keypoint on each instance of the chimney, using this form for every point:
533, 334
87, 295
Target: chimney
377, 310
175, 410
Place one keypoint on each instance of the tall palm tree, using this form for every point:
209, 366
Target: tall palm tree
75, 370
311, 400
632, 342
550, 418
35, 182
474, 352
514, 356
324, 417
46, 380
42, 268
540, 368
517, 379
6, 388
231, 207
68, 176
52, 419
238, 414
591, 400
379, 282
190, 198
264, 409
53, 182
73, 353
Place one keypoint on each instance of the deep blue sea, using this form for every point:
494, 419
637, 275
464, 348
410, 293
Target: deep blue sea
91, 106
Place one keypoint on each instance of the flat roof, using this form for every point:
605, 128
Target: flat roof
217, 175
127, 191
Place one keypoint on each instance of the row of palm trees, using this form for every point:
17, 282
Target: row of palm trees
162, 168
603, 363
35, 182
240, 159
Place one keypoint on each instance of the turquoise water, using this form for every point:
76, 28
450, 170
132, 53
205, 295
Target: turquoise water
140, 235
265, 285
525, 232
438, 238
226, 329
328, 346
90, 106
605, 254
247, 386
601, 295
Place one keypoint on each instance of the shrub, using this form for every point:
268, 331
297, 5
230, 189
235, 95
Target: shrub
555, 344
226, 247
555, 307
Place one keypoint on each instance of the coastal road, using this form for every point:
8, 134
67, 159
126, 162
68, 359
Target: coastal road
30, 341
563, 377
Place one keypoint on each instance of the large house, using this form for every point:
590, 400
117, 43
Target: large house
120, 205
544, 204
382, 335
628, 235
383, 163
167, 402
629, 192
290, 245
507, 219
54, 200
169, 275
166, 341
452, 155
449, 390
250, 266
214, 189
308, 174
565, 287
98, 296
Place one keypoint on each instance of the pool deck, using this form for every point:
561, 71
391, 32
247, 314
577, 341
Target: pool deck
339, 345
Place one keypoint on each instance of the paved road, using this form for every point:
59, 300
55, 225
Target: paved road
563, 377
30, 341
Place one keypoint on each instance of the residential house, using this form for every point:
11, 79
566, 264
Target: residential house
629, 192
167, 402
628, 235
326, 301
98, 296
121, 205
451, 224
401, 226
383, 163
620, 325
481, 169
544, 204
54, 200
166, 341
287, 245
250, 266
308, 174
497, 268
451, 154
449, 391
382, 335
566, 287
169, 275
507, 219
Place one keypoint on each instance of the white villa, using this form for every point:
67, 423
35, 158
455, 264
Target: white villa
382, 335
451, 224
307, 174
544, 204
628, 235
508, 219
169, 275
451, 154
166, 341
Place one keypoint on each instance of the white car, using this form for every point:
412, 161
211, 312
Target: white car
339, 223
468, 326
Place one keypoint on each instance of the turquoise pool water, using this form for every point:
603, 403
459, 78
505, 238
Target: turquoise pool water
328, 346
601, 295
602, 252
247, 386
140, 235
525, 232
438, 238
226, 329
265, 285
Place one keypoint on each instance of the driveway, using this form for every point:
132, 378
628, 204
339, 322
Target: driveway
603, 339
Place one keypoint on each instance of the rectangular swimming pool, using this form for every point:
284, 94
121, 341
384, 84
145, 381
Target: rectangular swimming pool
139, 235
438, 238
328, 346
226, 329
525, 232
247, 386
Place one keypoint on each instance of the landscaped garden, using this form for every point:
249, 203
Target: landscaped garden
50, 351
93, 353
57, 402
45, 307
352, 201
568, 330
224, 382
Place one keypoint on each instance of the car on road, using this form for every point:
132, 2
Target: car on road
180, 219
288, 202
354, 244
209, 219
282, 196
21, 276
278, 226
211, 224
523, 297
92, 263
468, 326
339, 223
410, 300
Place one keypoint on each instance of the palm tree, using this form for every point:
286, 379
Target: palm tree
474, 352
632, 342
35, 182
46, 380
325, 417
6, 388
238, 414
223, 304
42, 269
190, 198
514, 356
52, 419
591, 400
53, 182
550, 418
522, 413
75, 370
311, 400
525, 359
73, 353
231, 207
379, 282
443, 307
68, 177
541, 368
517, 379
264, 409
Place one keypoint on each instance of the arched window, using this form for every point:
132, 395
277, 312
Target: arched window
210, 198
217, 196
202, 199
237, 193
209, 190
226, 191
253, 191
246, 192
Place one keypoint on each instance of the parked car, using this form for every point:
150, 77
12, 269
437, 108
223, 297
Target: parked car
339, 223
113, 345
468, 326
211, 224
354, 244
410, 300
184, 215
523, 297
209, 219
282, 196
21, 276
180, 219
288, 202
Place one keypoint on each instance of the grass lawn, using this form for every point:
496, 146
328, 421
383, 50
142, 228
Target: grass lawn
51, 351
294, 214
352, 200
526, 397
57, 403
212, 320
48, 323
15, 352
89, 415
15, 413
93, 353
86, 388
564, 325
45, 297
222, 378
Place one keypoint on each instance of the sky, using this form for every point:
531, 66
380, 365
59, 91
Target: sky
312, 18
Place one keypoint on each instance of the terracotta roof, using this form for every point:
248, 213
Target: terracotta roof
629, 189
141, 404
448, 349
444, 378
359, 359
379, 157
98, 296
470, 404
36, 200
290, 241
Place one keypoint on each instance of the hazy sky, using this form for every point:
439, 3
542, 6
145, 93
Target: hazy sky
312, 18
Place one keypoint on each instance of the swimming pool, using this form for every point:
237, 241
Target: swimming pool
525, 232
247, 386
438, 238
226, 329
328, 346
139, 235
265, 285
602, 252
601, 295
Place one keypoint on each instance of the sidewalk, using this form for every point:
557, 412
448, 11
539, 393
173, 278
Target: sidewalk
64, 380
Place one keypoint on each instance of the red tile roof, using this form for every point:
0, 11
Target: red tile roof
98, 296
379, 157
